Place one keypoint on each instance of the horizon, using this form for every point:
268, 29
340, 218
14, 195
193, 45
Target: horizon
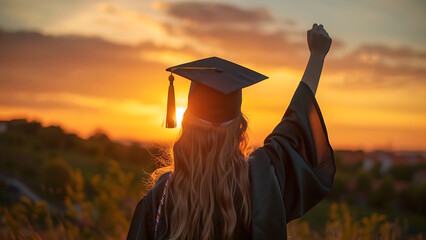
130, 141
101, 65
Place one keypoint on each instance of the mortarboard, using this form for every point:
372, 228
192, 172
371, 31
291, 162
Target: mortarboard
215, 93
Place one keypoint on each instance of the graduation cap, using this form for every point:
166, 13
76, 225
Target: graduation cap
215, 93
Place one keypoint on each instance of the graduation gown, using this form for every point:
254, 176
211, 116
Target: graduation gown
289, 175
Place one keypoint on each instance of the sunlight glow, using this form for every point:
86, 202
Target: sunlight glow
179, 115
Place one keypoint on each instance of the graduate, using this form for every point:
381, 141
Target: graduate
215, 188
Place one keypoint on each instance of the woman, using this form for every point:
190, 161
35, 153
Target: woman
217, 190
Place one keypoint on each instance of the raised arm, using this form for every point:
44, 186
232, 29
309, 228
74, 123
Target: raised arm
295, 168
319, 43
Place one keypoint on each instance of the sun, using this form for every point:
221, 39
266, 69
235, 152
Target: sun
179, 115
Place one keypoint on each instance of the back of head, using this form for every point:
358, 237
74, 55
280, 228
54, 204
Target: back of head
210, 169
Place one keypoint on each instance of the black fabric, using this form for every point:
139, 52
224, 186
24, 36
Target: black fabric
296, 165
291, 173
213, 106
219, 74
144, 217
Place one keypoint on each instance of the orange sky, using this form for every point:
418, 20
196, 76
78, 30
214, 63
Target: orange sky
101, 66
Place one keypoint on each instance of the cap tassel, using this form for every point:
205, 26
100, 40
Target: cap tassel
171, 106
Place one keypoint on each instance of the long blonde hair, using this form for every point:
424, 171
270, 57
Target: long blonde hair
210, 168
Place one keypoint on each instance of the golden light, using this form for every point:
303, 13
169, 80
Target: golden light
179, 115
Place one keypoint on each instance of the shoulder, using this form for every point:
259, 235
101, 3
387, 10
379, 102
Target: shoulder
260, 165
259, 157
162, 180
158, 188
152, 196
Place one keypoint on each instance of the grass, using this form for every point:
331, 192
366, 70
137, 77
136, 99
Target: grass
318, 216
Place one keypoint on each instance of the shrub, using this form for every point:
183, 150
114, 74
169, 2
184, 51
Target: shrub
56, 176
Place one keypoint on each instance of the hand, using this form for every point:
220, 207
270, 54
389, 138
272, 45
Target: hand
318, 40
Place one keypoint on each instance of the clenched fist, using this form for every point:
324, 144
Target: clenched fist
319, 41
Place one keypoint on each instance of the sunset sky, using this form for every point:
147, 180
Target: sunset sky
89, 65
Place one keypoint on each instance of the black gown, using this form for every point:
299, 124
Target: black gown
289, 175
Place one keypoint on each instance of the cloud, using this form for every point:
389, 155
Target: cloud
376, 66
78, 102
90, 66
31, 61
167, 55
385, 51
124, 13
76, 76
252, 45
250, 36
94, 67
118, 22
366, 66
217, 13
273, 46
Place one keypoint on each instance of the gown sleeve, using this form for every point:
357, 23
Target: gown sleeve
144, 217
141, 226
300, 153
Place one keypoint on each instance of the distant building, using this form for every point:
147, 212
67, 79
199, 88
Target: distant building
373, 158
385, 162
368, 163
3, 127
414, 157
385, 159
351, 157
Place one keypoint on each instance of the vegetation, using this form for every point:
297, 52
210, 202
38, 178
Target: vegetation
88, 189
341, 224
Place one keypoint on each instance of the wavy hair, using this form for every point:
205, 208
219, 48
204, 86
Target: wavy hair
210, 168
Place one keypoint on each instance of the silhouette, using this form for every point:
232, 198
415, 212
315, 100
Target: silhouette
215, 188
